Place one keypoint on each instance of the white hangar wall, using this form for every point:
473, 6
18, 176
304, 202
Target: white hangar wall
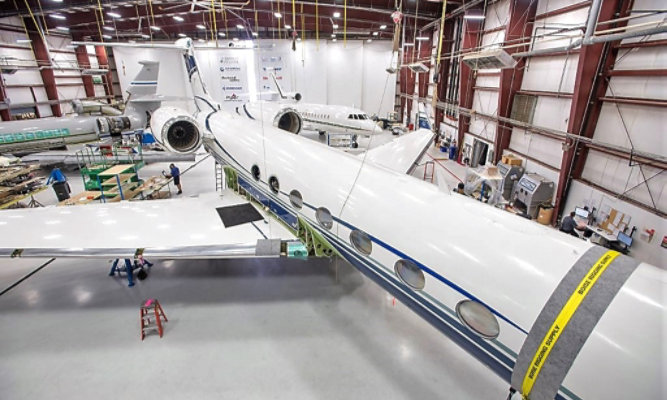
352, 74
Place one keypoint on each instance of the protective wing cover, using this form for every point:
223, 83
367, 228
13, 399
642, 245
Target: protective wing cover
174, 228
401, 154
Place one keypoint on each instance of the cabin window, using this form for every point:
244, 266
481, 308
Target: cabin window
410, 274
296, 199
478, 318
349, 116
324, 217
255, 172
274, 185
361, 241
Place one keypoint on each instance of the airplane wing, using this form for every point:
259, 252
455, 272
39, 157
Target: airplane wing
208, 226
401, 154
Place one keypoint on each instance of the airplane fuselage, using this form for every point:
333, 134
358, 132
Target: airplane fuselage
465, 249
334, 120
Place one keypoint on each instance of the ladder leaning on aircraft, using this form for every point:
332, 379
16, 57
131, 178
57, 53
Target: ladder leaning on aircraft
546, 312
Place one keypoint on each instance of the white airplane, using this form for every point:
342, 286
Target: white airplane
44, 133
289, 114
555, 316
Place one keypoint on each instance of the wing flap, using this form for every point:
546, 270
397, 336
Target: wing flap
175, 228
401, 154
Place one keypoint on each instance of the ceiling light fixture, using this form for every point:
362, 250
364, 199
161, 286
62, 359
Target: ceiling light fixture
57, 16
221, 34
334, 39
200, 26
376, 33
107, 28
181, 35
473, 16
177, 18
113, 15
369, 40
107, 37
62, 28
278, 15
236, 39
239, 26
145, 36
255, 34
408, 44
333, 35
288, 26
23, 40
335, 26
421, 38
57, 1
336, 14
155, 28
383, 26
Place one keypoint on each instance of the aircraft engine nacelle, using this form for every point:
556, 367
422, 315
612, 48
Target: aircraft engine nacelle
113, 126
288, 119
176, 130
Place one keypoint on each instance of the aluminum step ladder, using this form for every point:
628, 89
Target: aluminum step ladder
219, 178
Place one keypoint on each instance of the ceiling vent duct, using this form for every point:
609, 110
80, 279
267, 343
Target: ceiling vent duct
497, 58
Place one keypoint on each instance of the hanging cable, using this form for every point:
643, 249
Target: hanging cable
214, 28
437, 59
256, 22
46, 27
99, 27
294, 15
150, 7
224, 17
99, 9
317, 25
345, 24
303, 36
34, 21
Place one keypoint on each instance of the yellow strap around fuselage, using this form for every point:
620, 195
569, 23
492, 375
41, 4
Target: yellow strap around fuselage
562, 320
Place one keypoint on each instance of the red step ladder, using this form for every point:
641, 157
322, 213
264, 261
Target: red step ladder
151, 314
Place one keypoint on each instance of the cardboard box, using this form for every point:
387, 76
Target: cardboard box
511, 159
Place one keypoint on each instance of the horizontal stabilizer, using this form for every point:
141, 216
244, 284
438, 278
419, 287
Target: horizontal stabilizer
401, 154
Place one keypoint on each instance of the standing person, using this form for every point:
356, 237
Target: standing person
175, 173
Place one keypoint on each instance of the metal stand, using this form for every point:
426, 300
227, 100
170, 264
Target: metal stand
34, 203
128, 269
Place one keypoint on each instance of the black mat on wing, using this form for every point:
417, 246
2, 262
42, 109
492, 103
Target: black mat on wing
239, 214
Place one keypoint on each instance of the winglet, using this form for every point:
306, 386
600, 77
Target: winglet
401, 154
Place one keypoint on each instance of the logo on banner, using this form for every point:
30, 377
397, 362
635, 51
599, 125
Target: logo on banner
231, 78
229, 69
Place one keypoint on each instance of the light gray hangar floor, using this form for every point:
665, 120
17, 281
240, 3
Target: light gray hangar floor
249, 329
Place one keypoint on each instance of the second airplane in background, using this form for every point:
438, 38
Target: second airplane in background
288, 114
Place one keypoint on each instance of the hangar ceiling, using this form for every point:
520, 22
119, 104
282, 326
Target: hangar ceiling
166, 19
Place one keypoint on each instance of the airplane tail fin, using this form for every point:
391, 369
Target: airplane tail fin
143, 89
145, 83
203, 100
